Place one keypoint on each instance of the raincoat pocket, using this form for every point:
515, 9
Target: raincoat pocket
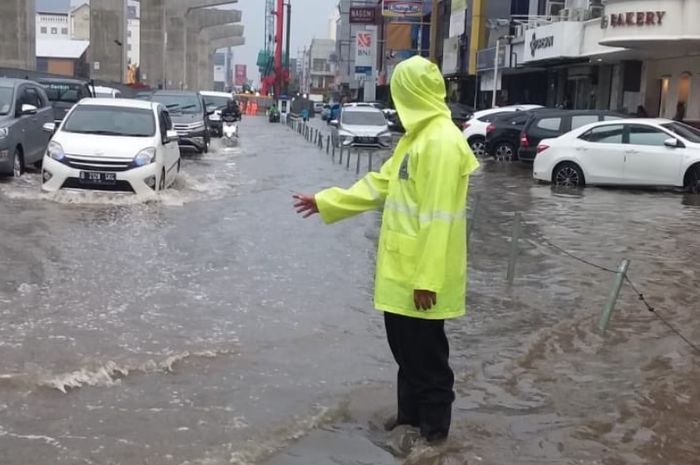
399, 257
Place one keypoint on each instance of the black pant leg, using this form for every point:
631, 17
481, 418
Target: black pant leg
408, 403
423, 359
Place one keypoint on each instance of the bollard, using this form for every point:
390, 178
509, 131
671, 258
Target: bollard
333, 153
357, 165
340, 157
472, 218
328, 144
620, 277
513, 255
347, 159
371, 156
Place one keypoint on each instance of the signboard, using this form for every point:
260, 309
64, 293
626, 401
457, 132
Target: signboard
402, 8
219, 73
240, 75
458, 18
363, 15
486, 58
634, 18
553, 41
450, 56
365, 52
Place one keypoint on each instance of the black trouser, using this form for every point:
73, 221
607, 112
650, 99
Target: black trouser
425, 379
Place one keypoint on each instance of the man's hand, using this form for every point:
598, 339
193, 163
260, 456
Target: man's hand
305, 205
424, 300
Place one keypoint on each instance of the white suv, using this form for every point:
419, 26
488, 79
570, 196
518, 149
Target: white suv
113, 145
474, 129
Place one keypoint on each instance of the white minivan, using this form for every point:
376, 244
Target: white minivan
112, 145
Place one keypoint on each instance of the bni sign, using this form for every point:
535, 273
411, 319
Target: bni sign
402, 8
364, 54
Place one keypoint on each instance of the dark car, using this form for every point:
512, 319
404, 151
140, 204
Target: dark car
460, 113
216, 102
189, 115
503, 134
24, 109
64, 93
553, 123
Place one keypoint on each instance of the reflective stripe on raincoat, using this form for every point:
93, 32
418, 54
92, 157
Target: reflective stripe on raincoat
423, 190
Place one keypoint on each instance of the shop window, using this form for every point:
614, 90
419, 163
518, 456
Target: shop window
684, 88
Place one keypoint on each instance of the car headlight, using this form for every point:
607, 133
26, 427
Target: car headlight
55, 151
145, 157
4, 132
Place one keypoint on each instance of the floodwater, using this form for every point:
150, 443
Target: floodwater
211, 325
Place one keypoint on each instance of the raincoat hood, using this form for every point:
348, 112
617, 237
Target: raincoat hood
418, 92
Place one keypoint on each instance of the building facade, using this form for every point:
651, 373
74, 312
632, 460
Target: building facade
133, 33
80, 22
53, 25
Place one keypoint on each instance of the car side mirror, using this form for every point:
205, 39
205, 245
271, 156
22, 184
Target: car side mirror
171, 136
29, 109
673, 143
49, 128
335, 123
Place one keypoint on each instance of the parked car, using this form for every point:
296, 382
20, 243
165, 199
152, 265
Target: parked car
115, 145
189, 115
215, 102
64, 93
107, 92
24, 109
639, 152
554, 123
503, 134
361, 126
318, 107
326, 112
460, 113
474, 129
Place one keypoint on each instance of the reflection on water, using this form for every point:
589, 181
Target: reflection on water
210, 325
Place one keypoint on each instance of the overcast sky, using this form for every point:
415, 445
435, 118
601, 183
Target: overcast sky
309, 20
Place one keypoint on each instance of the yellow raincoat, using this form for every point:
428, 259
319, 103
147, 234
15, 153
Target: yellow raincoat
423, 190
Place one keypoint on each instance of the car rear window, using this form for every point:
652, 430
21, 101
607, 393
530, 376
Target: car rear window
111, 121
64, 92
217, 102
549, 124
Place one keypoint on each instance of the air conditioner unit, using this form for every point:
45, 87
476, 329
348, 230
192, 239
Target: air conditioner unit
554, 8
597, 11
579, 14
564, 14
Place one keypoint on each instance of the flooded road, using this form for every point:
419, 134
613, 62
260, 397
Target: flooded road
213, 326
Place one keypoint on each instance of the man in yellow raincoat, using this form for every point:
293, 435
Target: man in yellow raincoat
422, 256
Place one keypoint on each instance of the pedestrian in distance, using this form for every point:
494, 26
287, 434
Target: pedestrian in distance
641, 112
422, 257
305, 115
680, 112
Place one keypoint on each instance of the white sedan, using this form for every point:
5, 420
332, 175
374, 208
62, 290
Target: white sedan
632, 152
114, 145
474, 129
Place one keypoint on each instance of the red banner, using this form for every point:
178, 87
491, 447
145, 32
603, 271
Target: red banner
241, 75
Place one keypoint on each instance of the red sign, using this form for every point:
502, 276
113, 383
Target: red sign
363, 15
241, 75
634, 18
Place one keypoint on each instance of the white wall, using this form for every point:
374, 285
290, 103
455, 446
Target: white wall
672, 68
59, 23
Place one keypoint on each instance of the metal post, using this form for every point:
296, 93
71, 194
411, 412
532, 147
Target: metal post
371, 157
289, 50
347, 160
328, 144
495, 75
333, 153
340, 157
357, 165
472, 217
614, 294
513, 256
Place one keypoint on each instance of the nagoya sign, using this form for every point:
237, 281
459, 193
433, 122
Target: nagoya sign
402, 9
363, 15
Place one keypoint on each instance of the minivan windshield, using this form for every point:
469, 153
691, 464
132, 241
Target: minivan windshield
363, 118
6, 94
63, 92
689, 133
111, 121
216, 102
184, 103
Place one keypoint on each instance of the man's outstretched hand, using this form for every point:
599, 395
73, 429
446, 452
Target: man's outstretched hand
305, 205
424, 300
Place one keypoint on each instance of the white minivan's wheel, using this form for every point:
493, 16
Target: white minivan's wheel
17, 163
161, 183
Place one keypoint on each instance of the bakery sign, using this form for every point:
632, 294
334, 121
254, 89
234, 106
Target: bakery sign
633, 18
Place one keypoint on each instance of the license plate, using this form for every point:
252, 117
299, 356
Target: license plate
97, 177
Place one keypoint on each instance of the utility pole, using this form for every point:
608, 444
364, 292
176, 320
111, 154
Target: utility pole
288, 47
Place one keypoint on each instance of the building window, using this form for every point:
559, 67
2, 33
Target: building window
128, 34
64, 31
43, 29
128, 47
54, 30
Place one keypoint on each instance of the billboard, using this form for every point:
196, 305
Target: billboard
402, 8
240, 75
365, 52
363, 15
